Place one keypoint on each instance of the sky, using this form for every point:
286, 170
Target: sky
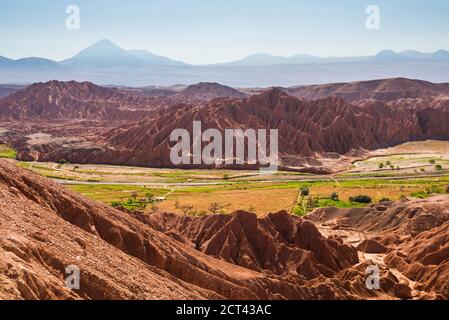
213, 31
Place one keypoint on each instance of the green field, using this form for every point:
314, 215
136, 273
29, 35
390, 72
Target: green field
380, 177
7, 152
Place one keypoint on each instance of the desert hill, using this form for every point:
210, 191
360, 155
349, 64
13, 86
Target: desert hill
122, 126
123, 255
385, 90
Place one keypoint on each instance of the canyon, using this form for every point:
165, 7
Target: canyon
237, 256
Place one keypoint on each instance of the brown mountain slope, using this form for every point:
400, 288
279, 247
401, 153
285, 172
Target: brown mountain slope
415, 234
46, 228
310, 132
205, 91
385, 90
72, 100
306, 128
278, 243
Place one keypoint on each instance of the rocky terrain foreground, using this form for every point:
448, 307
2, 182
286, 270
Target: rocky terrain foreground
46, 228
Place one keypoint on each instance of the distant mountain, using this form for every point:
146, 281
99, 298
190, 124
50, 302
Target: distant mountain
265, 59
5, 61
384, 90
409, 55
387, 55
38, 64
208, 91
154, 59
440, 55
414, 54
7, 90
104, 54
108, 64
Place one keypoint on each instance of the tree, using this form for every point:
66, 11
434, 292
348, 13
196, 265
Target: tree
432, 161
154, 208
361, 199
134, 195
186, 209
439, 167
334, 196
216, 207
381, 165
150, 197
305, 191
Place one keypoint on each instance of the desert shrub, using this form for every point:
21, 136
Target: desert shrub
305, 191
334, 196
381, 165
361, 199
216, 207
385, 200
185, 209
438, 167
432, 161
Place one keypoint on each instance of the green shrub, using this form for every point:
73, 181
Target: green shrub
305, 191
361, 199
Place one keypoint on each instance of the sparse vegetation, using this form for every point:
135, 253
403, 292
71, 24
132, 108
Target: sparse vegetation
185, 209
304, 191
361, 199
334, 196
216, 207
7, 152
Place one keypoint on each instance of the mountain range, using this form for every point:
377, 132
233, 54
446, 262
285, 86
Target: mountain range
129, 127
108, 64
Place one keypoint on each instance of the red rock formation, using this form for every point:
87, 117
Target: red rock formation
308, 130
46, 228
386, 90
205, 91
72, 100
278, 243
416, 234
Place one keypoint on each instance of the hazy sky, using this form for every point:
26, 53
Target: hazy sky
208, 31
